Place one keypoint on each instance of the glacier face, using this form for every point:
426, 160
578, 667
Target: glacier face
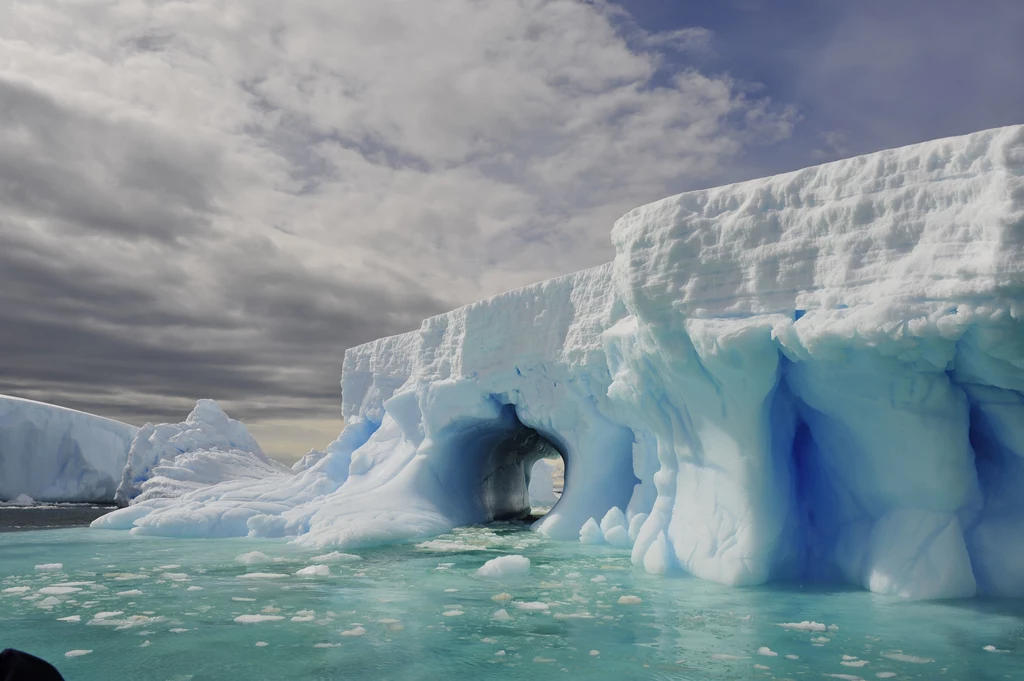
817, 375
51, 453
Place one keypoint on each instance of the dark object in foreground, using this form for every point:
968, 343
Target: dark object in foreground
18, 666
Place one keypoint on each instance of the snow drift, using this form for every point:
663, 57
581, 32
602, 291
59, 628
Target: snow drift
51, 453
817, 375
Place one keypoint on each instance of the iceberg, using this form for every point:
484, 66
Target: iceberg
816, 376
50, 453
169, 459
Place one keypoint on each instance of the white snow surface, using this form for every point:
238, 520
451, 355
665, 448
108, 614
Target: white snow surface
815, 375
50, 453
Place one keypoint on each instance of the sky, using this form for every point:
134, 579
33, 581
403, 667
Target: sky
216, 198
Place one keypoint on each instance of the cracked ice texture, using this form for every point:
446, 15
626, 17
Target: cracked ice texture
51, 453
814, 375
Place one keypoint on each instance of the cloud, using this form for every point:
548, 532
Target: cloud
216, 199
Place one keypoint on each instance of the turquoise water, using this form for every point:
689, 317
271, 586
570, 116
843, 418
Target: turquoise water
165, 609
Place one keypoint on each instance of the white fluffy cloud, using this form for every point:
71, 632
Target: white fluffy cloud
233, 192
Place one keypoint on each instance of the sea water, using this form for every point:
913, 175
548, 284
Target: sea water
106, 605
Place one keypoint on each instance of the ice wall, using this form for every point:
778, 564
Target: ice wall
51, 453
816, 375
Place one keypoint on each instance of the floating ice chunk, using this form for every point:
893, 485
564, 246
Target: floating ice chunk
845, 677
48, 602
336, 557
452, 613
767, 652
130, 592
595, 653
253, 558
500, 653
76, 653
314, 571
326, 645
504, 566
501, 615
262, 575
145, 644
792, 657
629, 600
885, 675
70, 618
354, 631
256, 619
194, 588
900, 656
16, 589
993, 649
20, 500
726, 657
49, 567
501, 597
261, 644
761, 667
806, 625
58, 590
535, 606
107, 614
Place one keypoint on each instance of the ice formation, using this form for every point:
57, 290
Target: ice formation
817, 375
50, 453
208, 447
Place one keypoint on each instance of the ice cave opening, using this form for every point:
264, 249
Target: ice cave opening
492, 470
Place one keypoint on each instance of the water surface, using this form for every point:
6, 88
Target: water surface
164, 609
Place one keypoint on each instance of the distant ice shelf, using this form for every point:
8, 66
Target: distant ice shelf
50, 453
816, 376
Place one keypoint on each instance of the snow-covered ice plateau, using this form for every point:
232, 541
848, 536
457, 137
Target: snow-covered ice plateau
816, 375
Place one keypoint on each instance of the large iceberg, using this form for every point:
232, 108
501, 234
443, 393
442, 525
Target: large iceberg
816, 376
51, 453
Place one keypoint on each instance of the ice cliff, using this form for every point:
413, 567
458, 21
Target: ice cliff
50, 453
817, 375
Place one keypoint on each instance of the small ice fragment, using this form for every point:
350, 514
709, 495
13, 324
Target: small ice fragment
58, 590
107, 614
854, 663
16, 589
261, 644
573, 575
255, 619
536, 606
543, 660
314, 571
900, 656
629, 600
76, 653
450, 591
145, 644
270, 610
70, 618
56, 566
501, 597
761, 667
130, 592
792, 657
326, 645
595, 653
849, 657
599, 579
178, 630
500, 653
501, 615
767, 652
725, 657
452, 613
194, 588
242, 599
252, 557
820, 639
262, 575
503, 566
803, 626
336, 557
354, 631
